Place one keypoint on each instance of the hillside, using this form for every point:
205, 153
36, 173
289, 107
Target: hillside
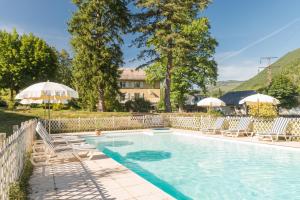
289, 64
223, 86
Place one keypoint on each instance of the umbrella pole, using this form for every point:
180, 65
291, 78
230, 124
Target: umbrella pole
49, 125
258, 108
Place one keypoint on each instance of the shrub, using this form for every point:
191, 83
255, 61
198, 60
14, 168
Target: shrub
73, 104
215, 113
3, 103
57, 106
138, 105
262, 110
19, 189
11, 105
284, 90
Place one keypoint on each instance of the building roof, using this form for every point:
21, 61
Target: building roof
193, 99
132, 74
233, 98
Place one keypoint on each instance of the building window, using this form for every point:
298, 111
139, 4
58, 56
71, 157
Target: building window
137, 84
136, 95
123, 97
122, 84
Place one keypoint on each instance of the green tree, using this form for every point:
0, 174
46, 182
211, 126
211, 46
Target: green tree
64, 70
96, 28
176, 36
138, 105
24, 60
284, 90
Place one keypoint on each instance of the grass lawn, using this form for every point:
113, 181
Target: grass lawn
10, 118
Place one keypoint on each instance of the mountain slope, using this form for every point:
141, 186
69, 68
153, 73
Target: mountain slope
223, 87
289, 64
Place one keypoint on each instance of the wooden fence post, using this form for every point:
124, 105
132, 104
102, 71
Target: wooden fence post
79, 125
113, 122
2, 138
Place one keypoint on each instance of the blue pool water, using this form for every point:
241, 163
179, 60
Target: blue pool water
190, 167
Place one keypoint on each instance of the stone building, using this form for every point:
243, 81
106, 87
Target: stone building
133, 85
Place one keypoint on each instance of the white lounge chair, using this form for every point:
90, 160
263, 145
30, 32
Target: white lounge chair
216, 127
62, 152
57, 139
278, 130
242, 128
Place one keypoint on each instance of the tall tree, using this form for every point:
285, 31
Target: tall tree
284, 90
167, 32
24, 60
64, 70
96, 28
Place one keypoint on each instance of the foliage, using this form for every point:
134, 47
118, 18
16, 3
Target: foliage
284, 90
64, 70
289, 65
57, 106
24, 60
262, 110
138, 105
16, 117
215, 113
96, 29
178, 39
3, 103
11, 105
19, 189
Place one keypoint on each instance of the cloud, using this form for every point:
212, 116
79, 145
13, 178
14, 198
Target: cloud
258, 41
238, 71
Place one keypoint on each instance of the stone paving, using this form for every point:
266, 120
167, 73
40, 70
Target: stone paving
101, 178
280, 143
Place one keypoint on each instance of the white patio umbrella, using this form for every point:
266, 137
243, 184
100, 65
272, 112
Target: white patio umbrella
48, 92
210, 102
260, 98
30, 101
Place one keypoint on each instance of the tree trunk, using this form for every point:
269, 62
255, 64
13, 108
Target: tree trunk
180, 108
11, 94
168, 84
101, 102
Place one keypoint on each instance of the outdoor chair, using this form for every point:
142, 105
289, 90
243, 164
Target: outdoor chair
62, 152
216, 127
242, 128
278, 130
58, 139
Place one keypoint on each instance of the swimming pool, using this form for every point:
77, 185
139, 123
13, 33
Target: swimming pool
189, 167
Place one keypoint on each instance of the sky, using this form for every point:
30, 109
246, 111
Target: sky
245, 30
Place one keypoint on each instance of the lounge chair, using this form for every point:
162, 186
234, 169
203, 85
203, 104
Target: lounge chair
216, 127
57, 139
278, 130
242, 128
52, 152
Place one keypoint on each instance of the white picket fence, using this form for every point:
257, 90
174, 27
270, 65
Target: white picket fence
258, 125
12, 155
103, 123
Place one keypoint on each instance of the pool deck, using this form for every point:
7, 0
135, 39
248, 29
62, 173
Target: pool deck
252, 140
104, 178
100, 178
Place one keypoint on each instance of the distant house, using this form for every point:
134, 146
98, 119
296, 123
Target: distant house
232, 102
190, 104
133, 85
